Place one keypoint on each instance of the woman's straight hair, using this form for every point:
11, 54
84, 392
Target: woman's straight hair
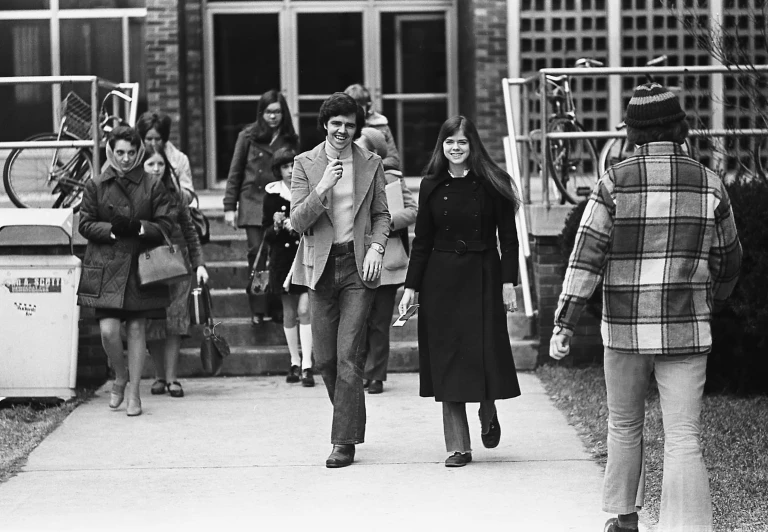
479, 161
169, 180
260, 132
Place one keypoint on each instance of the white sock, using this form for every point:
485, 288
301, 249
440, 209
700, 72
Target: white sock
292, 337
305, 330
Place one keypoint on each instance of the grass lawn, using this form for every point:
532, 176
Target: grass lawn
734, 437
23, 427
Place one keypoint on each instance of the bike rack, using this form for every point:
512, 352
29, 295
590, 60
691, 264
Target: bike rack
524, 85
95, 83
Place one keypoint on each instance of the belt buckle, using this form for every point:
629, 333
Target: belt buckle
461, 247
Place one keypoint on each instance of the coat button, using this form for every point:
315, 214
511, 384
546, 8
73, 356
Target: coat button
447, 227
287, 245
445, 197
445, 213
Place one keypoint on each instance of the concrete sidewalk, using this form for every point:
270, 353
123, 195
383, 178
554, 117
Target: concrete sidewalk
251, 452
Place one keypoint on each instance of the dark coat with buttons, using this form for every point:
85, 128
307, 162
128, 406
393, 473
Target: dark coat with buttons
109, 278
249, 173
464, 349
283, 244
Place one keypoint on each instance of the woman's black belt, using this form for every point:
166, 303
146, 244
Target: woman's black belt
462, 246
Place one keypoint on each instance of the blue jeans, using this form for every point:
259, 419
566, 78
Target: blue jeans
685, 499
339, 307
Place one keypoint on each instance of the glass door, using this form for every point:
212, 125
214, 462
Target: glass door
330, 57
403, 52
245, 62
416, 82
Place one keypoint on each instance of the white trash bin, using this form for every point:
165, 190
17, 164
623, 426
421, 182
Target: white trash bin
38, 304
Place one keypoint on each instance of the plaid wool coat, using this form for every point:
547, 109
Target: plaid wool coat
659, 231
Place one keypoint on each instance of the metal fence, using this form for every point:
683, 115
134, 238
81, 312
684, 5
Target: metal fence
525, 85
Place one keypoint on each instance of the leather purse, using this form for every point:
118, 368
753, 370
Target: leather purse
259, 281
214, 348
198, 310
202, 225
162, 265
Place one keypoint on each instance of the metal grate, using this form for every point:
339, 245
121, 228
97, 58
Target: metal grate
77, 117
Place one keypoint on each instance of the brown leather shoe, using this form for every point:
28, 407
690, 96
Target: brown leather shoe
342, 456
493, 436
458, 459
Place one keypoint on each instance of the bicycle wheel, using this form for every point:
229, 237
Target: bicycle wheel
47, 177
572, 162
614, 151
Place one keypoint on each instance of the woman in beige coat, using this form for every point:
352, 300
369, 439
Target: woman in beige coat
403, 212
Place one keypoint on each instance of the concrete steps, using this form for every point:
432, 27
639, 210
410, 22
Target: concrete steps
261, 350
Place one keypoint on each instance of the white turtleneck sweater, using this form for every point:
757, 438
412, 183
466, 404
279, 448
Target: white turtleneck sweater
343, 197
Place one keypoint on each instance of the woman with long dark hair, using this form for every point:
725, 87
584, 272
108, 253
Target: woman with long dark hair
249, 174
164, 336
465, 289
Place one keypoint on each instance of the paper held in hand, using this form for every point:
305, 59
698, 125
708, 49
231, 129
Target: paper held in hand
410, 312
395, 197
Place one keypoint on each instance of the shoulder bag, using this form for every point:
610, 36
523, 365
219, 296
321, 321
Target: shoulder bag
162, 265
214, 348
259, 282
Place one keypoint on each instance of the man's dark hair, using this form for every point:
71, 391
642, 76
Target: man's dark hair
675, 132
339, 104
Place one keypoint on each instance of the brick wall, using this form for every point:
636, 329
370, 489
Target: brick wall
491, 65
162, 59
548, 273
195, 105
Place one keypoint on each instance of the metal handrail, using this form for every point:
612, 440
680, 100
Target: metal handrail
541, 77
95, 83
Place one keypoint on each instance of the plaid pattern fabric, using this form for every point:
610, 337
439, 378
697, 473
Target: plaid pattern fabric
659, 231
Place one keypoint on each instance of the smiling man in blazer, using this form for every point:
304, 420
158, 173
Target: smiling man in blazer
339, 205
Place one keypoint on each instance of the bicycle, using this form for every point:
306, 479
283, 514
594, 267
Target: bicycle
55, 177
572, 163
617, 149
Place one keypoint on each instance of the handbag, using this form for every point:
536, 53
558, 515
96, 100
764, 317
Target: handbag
162, 265
198, 310
259, 281
214, 348
202, 225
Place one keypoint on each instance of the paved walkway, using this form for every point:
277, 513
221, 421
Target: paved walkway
251, 452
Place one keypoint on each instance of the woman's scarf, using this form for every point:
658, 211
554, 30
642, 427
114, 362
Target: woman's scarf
114, 164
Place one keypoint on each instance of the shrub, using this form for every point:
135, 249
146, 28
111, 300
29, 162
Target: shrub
740, 331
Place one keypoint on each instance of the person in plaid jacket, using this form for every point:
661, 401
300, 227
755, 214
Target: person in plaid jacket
659, 232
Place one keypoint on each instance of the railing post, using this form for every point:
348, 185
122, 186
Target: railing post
95, 129
544, 152
525, 122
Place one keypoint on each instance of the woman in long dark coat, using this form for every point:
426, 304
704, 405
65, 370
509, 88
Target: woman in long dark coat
124, 212
464, 288
250, 173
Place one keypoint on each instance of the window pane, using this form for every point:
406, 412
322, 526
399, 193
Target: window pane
419, 40
91, 48
309, 136
330, 51
94, 4
26, 47
421, 123
246, 54
231, 118
138, 69
15, 5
